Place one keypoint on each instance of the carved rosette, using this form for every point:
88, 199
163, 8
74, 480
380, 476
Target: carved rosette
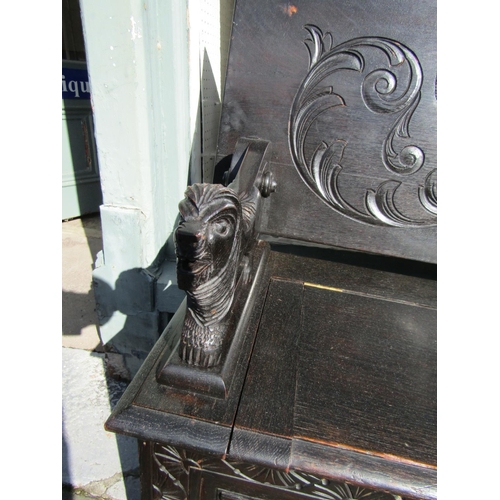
172, 466
391, 85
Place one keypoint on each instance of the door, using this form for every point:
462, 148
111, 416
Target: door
81, 187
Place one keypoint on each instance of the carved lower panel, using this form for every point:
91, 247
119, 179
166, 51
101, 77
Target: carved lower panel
171, 468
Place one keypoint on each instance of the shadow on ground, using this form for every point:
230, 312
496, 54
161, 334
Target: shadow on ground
81, 242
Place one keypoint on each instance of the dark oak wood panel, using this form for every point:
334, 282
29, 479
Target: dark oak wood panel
308, 372
383, 146
280, 321
367, 375
222, 487
405, 282
175, 474
296, 214
185, 418
262, 78
379, 473
338, 378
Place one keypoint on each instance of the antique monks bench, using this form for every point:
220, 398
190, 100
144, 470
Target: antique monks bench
302, 363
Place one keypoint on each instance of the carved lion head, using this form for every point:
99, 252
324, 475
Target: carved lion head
208, 235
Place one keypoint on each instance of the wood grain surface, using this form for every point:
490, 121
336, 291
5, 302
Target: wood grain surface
383, 143
337, 373
343, 373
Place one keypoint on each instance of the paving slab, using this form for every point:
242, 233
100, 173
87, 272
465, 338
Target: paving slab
99, 463
81, 240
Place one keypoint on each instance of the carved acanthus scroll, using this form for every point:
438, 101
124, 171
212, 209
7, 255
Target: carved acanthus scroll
391, 85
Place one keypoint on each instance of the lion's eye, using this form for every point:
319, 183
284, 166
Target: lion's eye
222, 227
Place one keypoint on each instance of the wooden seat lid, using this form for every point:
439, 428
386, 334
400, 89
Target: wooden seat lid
342, 380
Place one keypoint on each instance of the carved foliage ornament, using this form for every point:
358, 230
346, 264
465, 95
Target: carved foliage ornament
390, 87
172, 476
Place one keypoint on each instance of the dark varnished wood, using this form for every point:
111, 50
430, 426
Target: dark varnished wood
397, 242
354, 378
268, 63
273, 384
401, 281
175, 474
405, 479
330, 388
373, 386
340, 385
216, 381
215, 244
189, 419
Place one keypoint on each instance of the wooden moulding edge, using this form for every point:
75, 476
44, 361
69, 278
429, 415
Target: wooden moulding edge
147, 424
335, 463
364, 469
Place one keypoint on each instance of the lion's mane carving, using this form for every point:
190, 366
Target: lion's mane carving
209, 246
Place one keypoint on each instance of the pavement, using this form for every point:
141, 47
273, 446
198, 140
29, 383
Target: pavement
95, 463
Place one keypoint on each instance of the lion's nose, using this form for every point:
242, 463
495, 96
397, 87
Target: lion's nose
189, 233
